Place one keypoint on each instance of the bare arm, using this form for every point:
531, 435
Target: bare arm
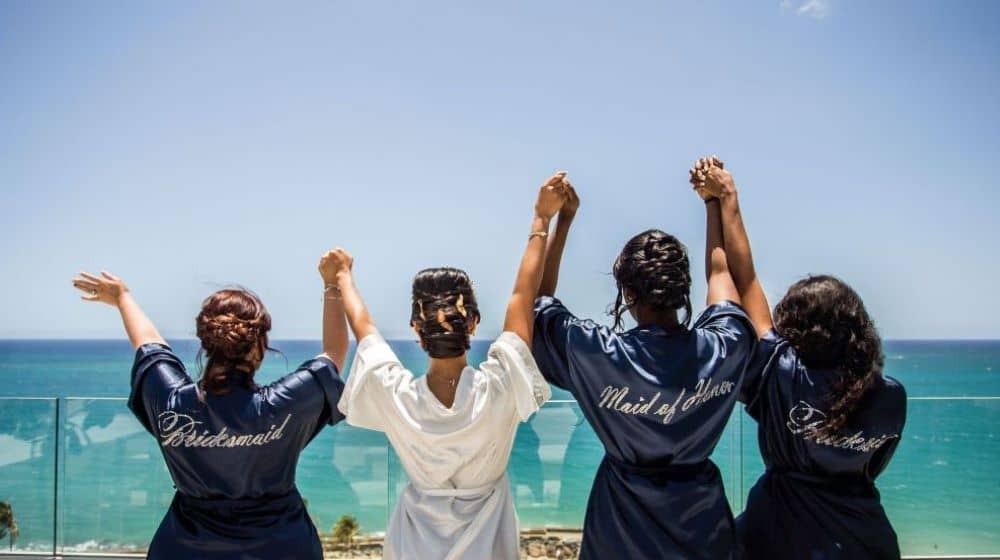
557, 243
360, 321
737, 245
720, 282
108, 288
334, 319
520, 318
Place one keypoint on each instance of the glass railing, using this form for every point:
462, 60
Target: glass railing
82, 476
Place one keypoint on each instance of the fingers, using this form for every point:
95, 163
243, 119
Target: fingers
89, 297
110, 276
85, 286
91, 277
555, 180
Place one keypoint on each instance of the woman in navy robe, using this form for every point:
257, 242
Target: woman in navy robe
230, 445
828, 420
658, 396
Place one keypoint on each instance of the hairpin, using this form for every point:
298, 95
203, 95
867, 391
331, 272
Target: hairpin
460, 305
444, 321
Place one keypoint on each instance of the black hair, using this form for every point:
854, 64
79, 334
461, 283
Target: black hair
443, 308
654, 268
826, 322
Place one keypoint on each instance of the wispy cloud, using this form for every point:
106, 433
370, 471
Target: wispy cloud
816, 9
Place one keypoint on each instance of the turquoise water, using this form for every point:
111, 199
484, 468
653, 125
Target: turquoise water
940, 490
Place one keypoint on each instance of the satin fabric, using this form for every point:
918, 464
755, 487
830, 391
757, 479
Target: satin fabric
458, 503
817, 498
232, 457
659, 401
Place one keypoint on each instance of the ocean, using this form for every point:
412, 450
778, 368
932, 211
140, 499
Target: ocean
109, 488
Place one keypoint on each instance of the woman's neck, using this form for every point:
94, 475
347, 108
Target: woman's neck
447, 368
443, 376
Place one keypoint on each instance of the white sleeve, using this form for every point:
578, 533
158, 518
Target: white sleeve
513, 372
375, 374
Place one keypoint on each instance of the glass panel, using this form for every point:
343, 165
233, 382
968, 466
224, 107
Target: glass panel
27, 472
552, 467
941, 489
344, 471
115, 486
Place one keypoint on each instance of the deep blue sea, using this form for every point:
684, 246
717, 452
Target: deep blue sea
109, 487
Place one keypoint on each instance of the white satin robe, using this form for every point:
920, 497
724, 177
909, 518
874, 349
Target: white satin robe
458, 504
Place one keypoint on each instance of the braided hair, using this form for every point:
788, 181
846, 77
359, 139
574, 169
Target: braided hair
232, 327
826, 322
654, 268
443, 311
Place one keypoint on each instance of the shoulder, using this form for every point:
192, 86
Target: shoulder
552, 317
892, 392
725, 314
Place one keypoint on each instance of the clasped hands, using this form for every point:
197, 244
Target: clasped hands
710, 179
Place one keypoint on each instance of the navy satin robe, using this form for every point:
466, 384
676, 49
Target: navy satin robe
659, 401
817, 499
232, 458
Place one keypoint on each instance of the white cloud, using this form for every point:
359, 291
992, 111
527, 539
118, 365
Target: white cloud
816, 9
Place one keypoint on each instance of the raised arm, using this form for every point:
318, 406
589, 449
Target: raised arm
737, 244
108, 288
343, 286
720, 281
557, 242
520, 318
334, 319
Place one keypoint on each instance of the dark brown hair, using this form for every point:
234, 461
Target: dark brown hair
232, 326
826, 322
653, 266
443, 309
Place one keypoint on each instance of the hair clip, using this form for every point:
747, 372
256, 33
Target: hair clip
460, 305
444, 321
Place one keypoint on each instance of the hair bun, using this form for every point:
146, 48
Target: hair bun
654, 268
232, 327
443, 311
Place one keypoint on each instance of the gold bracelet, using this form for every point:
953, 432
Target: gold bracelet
542, 234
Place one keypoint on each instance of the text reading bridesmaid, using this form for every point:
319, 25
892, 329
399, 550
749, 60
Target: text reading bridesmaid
230, 445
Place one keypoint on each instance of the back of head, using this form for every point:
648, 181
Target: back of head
444, 311
232, 326
826, 322
653, 270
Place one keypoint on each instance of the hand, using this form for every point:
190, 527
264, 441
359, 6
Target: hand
572, 203
710, 179
106, 288
551, 196
334, 263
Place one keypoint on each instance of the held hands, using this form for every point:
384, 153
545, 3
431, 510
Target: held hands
710, 179
334, 263
572, 202
106, 288
553, 196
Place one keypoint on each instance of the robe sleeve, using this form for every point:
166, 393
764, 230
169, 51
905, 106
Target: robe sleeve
156, 374
312, 390
557, 331
893, 409
375, 375
765, 357
728, 329
513, 372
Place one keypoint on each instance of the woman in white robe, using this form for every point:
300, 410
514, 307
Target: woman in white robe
454, 427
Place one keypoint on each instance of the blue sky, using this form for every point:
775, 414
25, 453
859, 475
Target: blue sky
188, 145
